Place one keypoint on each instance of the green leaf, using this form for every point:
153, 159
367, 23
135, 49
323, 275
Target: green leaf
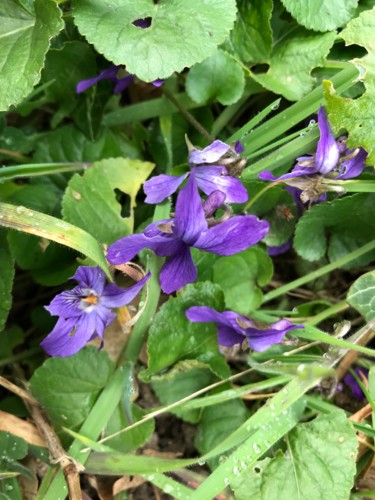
251, 37
172, 337
355, 115
361, 295
133, 439
11, 448
24, 40
318, 464
218, 77
65, 67
185, 378
217, 423
6, 282
90, 200
321, 15
181, 33
45, 226
341, 226
239, 275
68, 387
292, 59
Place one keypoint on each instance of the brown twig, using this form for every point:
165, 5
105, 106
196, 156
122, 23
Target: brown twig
69, 465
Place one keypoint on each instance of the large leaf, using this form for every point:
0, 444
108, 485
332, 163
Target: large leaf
7, 275
356, 115
318, 464
291, 62
321, 15
68, 387
181, 33
24, 40
218, 77
361, 295
239, 277
251, 37
341, 225
90, 200
173, 337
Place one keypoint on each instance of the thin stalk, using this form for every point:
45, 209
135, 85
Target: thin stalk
35, 169
327, 313
189, 117
319, 272
260, 194
139, 332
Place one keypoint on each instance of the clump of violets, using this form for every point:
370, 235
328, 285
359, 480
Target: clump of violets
332, 160
192, 226
234, 329
85, 311
213, 168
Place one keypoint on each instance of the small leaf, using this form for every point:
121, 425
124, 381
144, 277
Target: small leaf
185, 378
321, 15
291, 62
11, 448
68, 387
239, 275
355, 115
341, 225
173, 337
45, 226
361, 295
181, 33
251, 37
90, 200
7, 275
24, 40
218, 77
319, 461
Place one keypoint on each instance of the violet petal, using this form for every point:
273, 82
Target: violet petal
210, 154
91, 277
189, 220
178, 271
327, 151
115, 297
260, 340
210, 179
353, 167
109, 73
158, 188
233, 236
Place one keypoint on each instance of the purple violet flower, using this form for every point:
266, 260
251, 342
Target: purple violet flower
280, 249
85, 311
234, 328
332, 158
111, 74
351, 382
208, 177
189, 228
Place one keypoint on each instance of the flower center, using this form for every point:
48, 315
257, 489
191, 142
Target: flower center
91, 299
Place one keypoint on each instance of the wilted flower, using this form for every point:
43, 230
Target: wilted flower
209, 171
85, 311
332, 160
234, 329
189, 228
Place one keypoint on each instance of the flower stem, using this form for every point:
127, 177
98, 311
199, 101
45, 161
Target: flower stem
319, 272
189, 117
32, 170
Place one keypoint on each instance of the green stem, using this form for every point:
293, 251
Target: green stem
327, 313
32, 170
260, 194
319, 272
352, 186
139, 332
